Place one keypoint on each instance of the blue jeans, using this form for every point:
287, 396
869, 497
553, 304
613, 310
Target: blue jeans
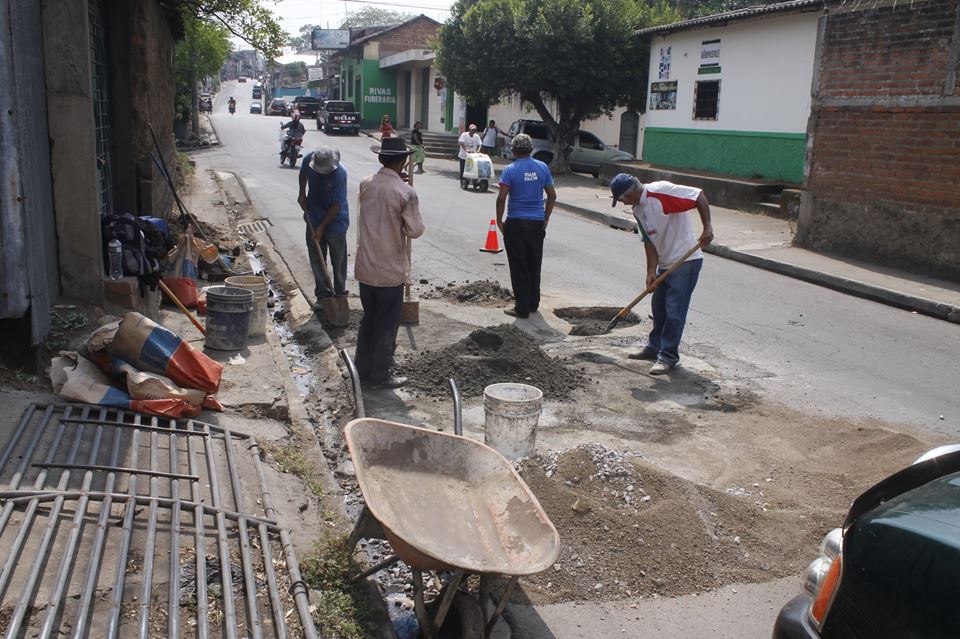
334, 249
670, 303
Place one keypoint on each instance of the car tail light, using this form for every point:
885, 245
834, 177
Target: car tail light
823, 575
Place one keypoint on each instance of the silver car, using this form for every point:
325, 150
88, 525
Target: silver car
586, 154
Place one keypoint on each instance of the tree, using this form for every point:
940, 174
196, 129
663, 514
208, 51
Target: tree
374, 16
579, 55
304, 42
293, 73
247, 19
201, 53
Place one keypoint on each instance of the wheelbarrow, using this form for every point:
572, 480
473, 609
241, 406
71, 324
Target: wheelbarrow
446, 503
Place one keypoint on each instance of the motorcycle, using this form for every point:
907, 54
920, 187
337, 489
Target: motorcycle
233, 107
290, 149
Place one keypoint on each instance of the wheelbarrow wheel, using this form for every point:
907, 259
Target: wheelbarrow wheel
464, 620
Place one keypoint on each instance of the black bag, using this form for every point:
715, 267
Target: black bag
144, 246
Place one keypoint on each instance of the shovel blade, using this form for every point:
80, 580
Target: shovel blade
410, 312
336, 310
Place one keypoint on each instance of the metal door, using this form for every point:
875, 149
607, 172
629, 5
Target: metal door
629, 132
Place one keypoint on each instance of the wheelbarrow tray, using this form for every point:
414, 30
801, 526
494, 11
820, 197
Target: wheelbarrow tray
447, 502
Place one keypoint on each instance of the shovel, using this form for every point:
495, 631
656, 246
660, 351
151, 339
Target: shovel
626, 309
410, 309
336, 309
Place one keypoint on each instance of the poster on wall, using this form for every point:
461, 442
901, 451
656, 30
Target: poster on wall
664, 63
663, 96
326, 39
709, 53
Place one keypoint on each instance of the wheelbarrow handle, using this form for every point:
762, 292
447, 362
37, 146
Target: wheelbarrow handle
457, 413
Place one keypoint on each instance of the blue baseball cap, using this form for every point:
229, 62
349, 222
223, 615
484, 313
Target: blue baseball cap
620, 184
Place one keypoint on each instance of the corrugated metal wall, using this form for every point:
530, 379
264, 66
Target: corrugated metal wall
30, 275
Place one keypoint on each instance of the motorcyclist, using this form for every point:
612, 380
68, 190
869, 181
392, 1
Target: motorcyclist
232, 104
295, 130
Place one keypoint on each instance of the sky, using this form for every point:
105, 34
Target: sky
293, 14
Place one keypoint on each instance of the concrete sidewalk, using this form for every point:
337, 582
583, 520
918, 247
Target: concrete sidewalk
767, 243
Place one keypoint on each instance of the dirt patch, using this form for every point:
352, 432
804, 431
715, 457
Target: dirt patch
479, 293
488, 356
593, 320
628, 528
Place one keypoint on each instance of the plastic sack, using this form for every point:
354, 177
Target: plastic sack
181, 274
152, 348
79, 379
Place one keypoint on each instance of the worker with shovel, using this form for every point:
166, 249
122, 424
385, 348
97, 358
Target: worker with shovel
323, 198
388, 214
668, 239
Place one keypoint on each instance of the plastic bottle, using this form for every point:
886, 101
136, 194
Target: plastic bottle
115, 251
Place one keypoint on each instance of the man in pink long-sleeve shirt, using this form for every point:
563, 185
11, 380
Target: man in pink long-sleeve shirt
389, 213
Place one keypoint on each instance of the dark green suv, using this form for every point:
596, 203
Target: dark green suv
893, 570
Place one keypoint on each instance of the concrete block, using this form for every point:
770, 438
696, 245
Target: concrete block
124, 295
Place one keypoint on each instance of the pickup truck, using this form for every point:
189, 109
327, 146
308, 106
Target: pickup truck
338, 114
307, 105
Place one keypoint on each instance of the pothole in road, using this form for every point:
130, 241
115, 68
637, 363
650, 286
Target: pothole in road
593, 320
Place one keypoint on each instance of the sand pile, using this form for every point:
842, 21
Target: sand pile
479, 293
488, 356
629, 529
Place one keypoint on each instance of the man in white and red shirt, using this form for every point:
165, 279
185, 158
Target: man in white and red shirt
667, 232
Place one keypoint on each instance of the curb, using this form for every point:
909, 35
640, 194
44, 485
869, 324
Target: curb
931, 308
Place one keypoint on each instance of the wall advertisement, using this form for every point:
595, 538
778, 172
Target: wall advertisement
663, 96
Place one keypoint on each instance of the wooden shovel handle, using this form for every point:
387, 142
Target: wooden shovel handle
183, 309
626, 309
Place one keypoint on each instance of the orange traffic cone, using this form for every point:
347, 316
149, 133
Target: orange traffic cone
493, 244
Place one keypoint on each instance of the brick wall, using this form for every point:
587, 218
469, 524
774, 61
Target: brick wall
884, 162
413, 35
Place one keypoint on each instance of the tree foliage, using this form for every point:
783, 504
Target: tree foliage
303, 43
293, 72
201, 53
249, 20
372, 16
579, 56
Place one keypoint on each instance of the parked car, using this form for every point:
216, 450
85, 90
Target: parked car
256, 107
241, 79
338, 114
307, 105
891, 570
278, 106
257, 92
586, 154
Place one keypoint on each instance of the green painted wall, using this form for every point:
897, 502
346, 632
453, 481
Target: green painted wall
772, 156
378, 88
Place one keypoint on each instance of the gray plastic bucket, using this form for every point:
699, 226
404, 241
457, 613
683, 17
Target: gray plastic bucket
257, 284
228, 317
511, 412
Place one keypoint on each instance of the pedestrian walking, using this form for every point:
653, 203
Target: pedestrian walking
388, 214
323, 198
469, 142
522, 185
386, 129
489, 138
667, 234
416, 141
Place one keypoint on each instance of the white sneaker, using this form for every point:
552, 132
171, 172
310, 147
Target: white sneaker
660, 367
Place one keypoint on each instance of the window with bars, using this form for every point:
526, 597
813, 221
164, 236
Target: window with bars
100, 71
706, 100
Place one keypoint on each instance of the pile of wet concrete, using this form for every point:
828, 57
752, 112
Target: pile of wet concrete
593, 320
487, 356
479, 293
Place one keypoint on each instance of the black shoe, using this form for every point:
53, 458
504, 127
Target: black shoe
391, 381
512, 312
645, 354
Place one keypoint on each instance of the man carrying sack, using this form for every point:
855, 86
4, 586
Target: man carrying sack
389, 213
667, 232
328, 217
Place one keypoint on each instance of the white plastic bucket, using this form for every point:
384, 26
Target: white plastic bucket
258, 286
511, 412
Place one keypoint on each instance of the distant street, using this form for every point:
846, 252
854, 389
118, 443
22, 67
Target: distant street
813, 349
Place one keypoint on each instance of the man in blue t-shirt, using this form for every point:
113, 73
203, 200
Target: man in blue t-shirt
522, 185
325, 210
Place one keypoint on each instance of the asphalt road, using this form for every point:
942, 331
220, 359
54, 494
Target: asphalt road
811, 348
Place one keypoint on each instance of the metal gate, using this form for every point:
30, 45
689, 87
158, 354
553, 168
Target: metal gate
115, 524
